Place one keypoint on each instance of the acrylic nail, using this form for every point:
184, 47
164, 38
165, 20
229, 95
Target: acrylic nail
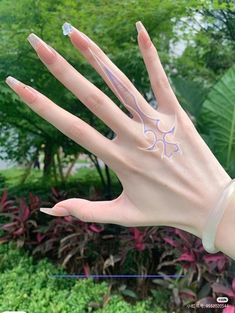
144, 38
26, 93
84, 37
11, 81
139, 26
46, 53
58, 211
67, 29
34, 40
45, 209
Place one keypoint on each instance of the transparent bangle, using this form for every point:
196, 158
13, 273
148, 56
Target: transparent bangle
215, 217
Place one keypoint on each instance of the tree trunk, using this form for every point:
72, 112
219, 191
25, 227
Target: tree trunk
54, 170
48, 159
105, 180
28, 168
60, 166
26, 173
71, 166
108, 191
94, 160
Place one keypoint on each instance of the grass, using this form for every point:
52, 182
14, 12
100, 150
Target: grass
54, 297
78, 184
14, 175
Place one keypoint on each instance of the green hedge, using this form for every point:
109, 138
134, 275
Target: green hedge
25, 286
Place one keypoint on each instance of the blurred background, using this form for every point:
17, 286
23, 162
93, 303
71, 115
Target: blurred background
39, 166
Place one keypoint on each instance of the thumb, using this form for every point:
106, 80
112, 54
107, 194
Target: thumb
88, 211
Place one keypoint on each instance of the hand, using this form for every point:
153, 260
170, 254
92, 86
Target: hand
169, 175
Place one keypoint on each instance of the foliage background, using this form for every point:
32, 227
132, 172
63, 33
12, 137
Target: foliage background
196, 44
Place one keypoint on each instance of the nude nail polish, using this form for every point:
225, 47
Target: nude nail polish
46, 53
25, 92
143, 35
139, 26
67, 29
34, 40
11, 81
58, 211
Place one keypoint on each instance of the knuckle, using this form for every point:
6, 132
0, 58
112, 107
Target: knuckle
128, 165
76, 130
162, 82
86, 216
127, 83
152, 57
144, 139
40, 108
94, 101
60, 68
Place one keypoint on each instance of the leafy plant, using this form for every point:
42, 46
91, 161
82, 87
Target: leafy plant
217, 120
91, 248
30, 286
190, 94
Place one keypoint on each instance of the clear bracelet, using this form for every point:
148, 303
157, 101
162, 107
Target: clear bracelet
215, 217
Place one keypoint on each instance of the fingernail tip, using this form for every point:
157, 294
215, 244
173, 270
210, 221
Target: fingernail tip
33, 40
44, 209
10, 80
67, 29
31, 35
139, 26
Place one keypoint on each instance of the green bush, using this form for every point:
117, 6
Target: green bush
26, 286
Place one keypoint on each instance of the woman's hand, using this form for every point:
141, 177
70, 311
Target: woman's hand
169, 175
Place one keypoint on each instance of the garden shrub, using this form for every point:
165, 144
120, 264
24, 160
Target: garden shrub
91, 248
26, 285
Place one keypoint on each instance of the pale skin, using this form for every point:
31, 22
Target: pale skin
156, 191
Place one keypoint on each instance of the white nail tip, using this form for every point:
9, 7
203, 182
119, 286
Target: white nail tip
67, 28
139, 26
45, 209
11, 81
34, 40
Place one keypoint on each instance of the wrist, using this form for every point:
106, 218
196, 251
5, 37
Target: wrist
195, 218
225, 235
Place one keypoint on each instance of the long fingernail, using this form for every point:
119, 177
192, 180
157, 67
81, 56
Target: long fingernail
46, 210
143, 35
25, 92
58, 211
11, 81
139, 26
47, 54
34, 40
67, 29
76, 36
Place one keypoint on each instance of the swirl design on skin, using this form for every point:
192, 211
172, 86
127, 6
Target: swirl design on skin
129, 100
